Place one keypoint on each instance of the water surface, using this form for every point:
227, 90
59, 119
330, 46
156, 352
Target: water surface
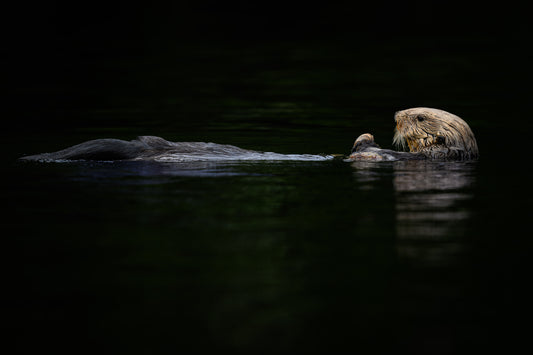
267, 256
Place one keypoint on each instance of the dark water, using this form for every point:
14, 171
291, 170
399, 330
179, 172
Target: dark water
269, 257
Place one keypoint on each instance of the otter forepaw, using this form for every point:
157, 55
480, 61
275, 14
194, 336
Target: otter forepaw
363, 141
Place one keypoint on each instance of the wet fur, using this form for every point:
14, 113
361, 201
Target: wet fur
142, 148
426, 133
437, 134
365, 148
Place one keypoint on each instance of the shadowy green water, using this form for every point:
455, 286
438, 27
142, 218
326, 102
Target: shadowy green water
268, 257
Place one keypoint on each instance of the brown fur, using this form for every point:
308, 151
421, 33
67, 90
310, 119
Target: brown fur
435, 134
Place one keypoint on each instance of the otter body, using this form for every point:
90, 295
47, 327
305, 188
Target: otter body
427, 133
142, 148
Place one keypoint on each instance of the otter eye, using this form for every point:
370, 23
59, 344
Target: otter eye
420, 118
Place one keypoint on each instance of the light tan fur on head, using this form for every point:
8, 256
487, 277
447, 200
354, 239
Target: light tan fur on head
431, 131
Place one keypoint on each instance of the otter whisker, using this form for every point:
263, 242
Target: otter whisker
435, 131
399, 141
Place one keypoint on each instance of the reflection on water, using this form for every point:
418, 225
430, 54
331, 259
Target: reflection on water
150, 172
431, 216
430, 220
252, 257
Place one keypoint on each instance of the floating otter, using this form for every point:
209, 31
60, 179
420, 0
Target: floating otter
428, 133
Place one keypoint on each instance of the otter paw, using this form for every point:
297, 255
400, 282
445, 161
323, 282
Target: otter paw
363, 141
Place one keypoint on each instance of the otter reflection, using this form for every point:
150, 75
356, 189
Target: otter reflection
431, 207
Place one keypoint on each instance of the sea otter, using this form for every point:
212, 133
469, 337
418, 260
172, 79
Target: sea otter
428, 133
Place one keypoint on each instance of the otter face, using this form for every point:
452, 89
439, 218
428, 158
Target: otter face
423, 129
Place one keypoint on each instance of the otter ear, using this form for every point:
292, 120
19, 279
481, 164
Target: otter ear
440, 140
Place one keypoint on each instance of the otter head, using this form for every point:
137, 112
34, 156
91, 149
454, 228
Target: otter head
425, 130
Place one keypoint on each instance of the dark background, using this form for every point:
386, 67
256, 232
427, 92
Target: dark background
267, 75
56, 54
